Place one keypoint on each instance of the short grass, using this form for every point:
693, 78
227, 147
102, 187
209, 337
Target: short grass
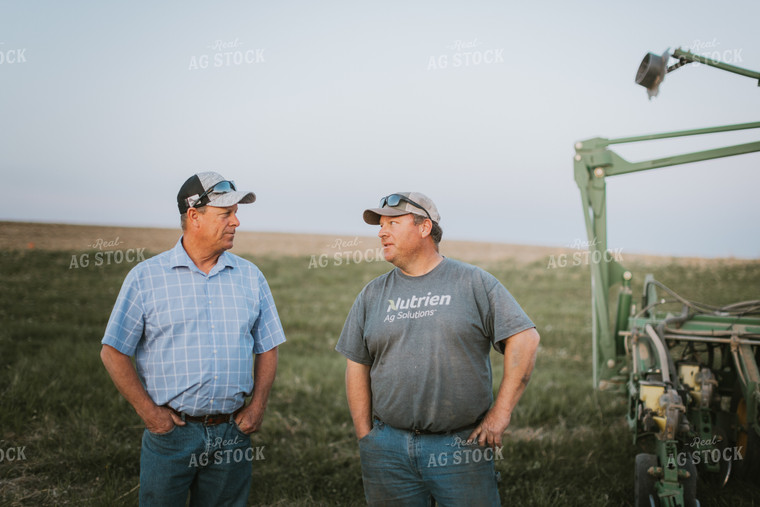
568, 444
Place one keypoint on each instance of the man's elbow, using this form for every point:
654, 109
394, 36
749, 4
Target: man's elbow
521, 353
110, 355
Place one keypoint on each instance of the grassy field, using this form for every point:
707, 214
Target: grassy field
80, 441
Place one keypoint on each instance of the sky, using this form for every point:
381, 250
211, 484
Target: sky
322, 108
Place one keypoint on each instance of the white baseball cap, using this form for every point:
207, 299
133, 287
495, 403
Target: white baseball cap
210, 189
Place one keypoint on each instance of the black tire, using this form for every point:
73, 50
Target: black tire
723, 430
644, 492
690, 485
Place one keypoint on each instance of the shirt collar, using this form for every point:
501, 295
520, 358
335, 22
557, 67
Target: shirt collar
179, 257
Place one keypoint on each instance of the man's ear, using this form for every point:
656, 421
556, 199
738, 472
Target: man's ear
192, 216
426, 228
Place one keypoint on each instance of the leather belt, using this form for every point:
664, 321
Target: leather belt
418, 431
210, 419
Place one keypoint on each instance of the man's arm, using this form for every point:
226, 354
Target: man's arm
264, 370
359, 395
519, 359
119, 366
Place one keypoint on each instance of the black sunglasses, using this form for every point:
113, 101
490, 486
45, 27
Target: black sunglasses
394, 200
222, 187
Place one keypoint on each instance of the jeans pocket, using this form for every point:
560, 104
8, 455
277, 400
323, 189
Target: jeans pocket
368, 435
162, 434
237, 428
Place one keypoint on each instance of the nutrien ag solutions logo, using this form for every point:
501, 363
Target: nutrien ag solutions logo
402, 307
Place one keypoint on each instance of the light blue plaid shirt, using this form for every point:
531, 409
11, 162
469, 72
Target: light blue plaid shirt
194, 335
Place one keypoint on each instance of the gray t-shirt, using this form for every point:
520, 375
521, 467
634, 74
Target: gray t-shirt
427, 340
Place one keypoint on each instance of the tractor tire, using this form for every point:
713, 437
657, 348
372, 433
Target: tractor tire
644, 492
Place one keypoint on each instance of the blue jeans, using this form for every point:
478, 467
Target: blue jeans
212, 463
402, 468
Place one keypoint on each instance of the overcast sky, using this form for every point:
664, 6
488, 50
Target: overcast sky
321, 108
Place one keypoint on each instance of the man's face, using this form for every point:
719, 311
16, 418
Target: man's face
400, 238
217, 227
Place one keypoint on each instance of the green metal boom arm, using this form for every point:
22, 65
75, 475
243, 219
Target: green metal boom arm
688, 57
592, 164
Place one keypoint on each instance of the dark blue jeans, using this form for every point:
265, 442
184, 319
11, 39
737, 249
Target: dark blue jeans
212, 463
401, 468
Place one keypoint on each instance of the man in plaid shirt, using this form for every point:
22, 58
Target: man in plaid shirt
198, 321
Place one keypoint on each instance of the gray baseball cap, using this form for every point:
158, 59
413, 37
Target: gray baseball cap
210, 189
403, 203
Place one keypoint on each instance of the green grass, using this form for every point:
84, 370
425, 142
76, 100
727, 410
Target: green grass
568, 444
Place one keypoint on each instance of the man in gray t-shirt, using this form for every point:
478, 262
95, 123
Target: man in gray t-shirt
418, 376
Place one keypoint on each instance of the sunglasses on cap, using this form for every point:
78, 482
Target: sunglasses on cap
394, 200
222, 187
